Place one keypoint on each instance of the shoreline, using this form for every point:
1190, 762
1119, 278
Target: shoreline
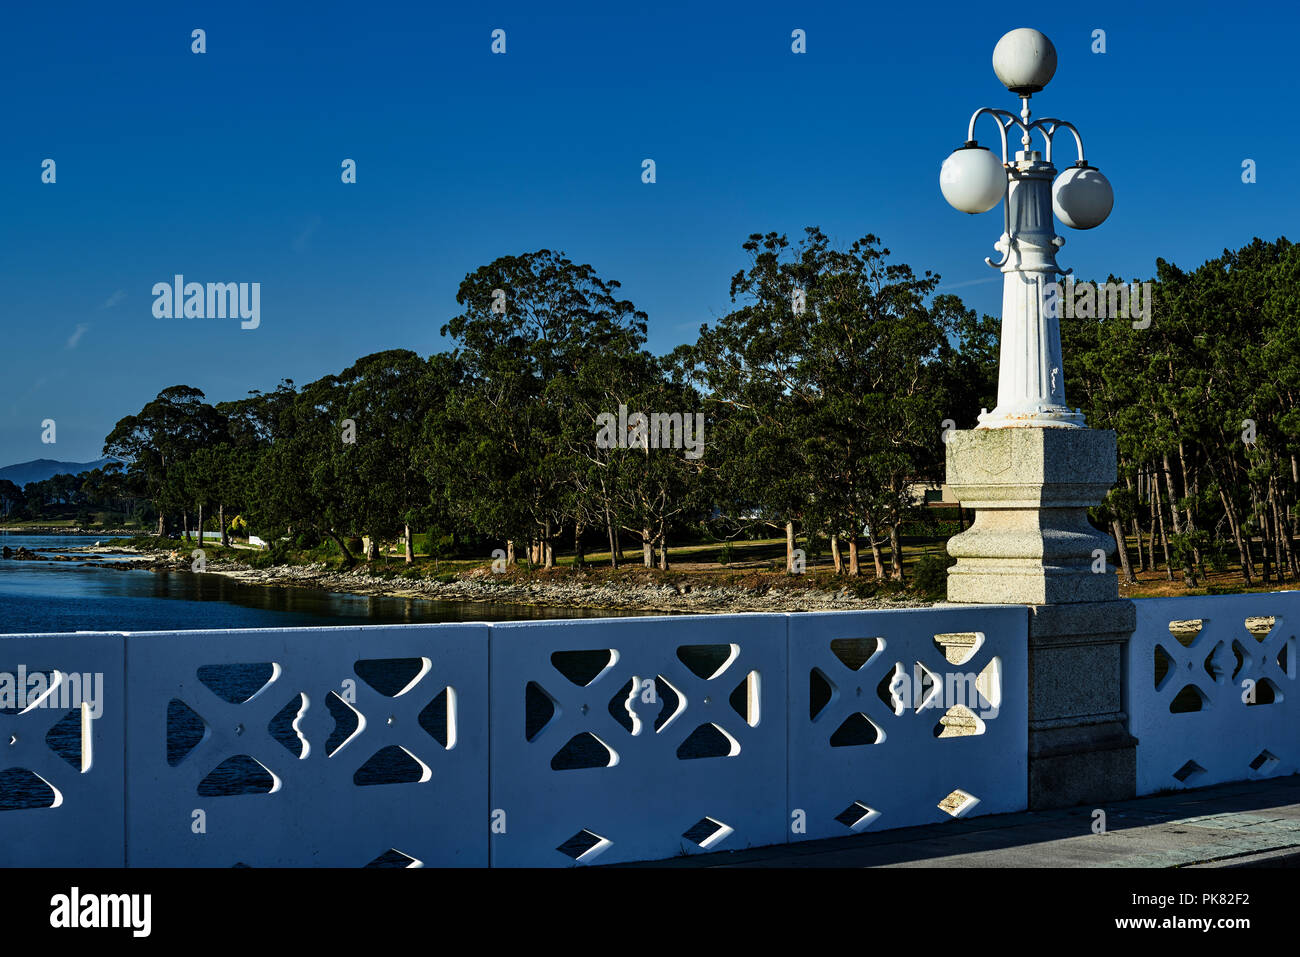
576, 591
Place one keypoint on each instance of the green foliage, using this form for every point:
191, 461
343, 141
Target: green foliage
930, 575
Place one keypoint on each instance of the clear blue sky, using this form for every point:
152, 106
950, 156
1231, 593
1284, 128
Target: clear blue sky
225, 166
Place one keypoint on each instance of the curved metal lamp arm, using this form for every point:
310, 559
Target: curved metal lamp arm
1004, 119
1050, 132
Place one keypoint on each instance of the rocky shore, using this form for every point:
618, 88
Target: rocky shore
571, 591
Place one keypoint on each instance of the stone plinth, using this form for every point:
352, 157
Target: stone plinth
1031, 543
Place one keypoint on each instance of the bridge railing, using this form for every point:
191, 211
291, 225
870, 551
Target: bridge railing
521, 744
1211, 691
551, 743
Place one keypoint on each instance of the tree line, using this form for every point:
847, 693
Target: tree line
824, 392
822, 395
1204, 402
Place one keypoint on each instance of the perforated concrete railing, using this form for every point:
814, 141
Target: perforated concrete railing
520, 744
1211, 691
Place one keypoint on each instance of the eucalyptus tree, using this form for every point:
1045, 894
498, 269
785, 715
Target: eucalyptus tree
529, 321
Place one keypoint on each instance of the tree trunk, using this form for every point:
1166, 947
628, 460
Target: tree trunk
510, 552
409, 541
185, 521
876, 556
348, 557
835, 553
160, 524
1137, 529
579, 558
548, 547
895, 554
789, 548
854, 568
613, 540
663, 550
647, 546
1234, 523
1164, 539
221, 520
1122, 547
372, 548
200, 525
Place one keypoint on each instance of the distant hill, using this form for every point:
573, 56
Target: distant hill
41, 469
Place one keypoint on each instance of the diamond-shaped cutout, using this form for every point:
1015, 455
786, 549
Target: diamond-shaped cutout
857, 816
1189, 699
892, 688
821, 690
856, 652
1163, 667
392, 764
959, 647
584, 846
348, 723
22, 790
674, 704
392, 677
1261, 627
438, 718
185, 730
931, 690
395, 858
1264, 762
539, 710
959, 722
284, 727
584, 750
708, 661
857, 729
1185, 631
958, 803
1189, 772
585, 666
240, 774
239, 682
1264, 691
708, 741
707, 832
744, 699
70, 738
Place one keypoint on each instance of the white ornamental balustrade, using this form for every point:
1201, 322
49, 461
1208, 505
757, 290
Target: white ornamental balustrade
379, 750
61, 742
1211, 691
906, 717
637, 738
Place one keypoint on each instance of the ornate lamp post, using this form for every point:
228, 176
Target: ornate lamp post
1031, 468
1031, 384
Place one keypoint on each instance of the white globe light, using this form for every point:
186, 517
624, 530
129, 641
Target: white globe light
1024, 61
972, 179
1082, 197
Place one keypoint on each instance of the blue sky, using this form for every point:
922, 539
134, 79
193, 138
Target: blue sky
225, 166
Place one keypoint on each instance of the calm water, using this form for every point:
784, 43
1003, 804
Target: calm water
68, 596
75, 596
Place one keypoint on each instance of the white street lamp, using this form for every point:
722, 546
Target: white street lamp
1031, 385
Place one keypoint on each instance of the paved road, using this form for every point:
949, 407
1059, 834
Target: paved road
1250, 824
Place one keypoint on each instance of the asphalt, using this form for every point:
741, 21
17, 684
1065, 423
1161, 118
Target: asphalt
1247, 824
